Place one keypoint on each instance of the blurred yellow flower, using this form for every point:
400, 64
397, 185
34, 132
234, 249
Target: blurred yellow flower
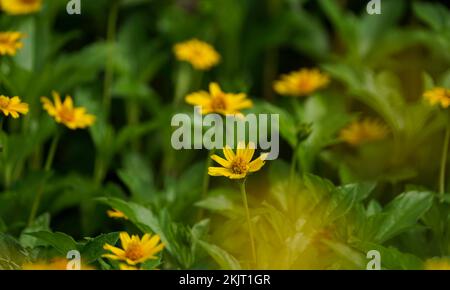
127, 267
55, 264
117, 214
216, 101
135, 250
199, 54
66, 113
301, 83
16, 7
439, 96
10, 42
437, 264
12, 106
239, 165
363, 131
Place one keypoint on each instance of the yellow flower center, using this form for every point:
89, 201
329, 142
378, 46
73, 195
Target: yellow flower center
304, 85
218, 103
134, 251
239, 166
66, 114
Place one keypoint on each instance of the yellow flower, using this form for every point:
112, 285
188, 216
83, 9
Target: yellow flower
10, 42
363, 131
439, 96
135, 250
16, 7
55, 264
437, 264
199, 54
301, 83
117, 214
127, 267
12, 106
66, 113
239, 165
216, 101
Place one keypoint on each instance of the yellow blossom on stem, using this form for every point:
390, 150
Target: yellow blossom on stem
117, 214
13, 106
201, 55
66, 113
17, 7
440, 96
239, 165
301, 83
363, 131
10, 42
217, 101
135, 250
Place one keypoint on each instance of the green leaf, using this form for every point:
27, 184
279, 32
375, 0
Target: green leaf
12, 255
222, 258
93, 249
59, 241
435, 15
41, 223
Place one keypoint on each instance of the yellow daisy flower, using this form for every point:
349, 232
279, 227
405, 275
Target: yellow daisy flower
10, 42
55, 264
437, 264
239, 165
117, 214
135, 250
199, 54
301, 83
439, 96
363, 131
16, 7
12, 106
66, 113
216, 101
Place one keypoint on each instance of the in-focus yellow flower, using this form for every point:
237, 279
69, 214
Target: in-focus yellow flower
363, 131
117, 214
16, 7
301, 83
239, 165
199, 54
12, 106
55, 264
66, 113
135, 250
437, 264
216, 101
439, 96
10, 42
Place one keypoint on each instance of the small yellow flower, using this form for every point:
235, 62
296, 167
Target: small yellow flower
199, 54
239, 165
216, 101
437, 264
117, 214
135, 250
10, 42
55, 264
16, 7
301, 83
439, 96
12, 106
363, 131
66, 113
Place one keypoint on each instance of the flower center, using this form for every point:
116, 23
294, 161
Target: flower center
218, 103
66, 114
239, 166
134, 251
304, 84
4, 103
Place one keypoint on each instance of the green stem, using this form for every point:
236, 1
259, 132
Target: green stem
206, 175
48, 166
444, 162
249, 224
294, 162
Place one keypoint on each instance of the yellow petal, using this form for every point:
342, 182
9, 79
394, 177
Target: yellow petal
228, 153
218, 171
221, 161
215, 89
256, 164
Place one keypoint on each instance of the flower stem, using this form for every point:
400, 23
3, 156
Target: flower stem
206, 175
48, 166
444, 162
249, 224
